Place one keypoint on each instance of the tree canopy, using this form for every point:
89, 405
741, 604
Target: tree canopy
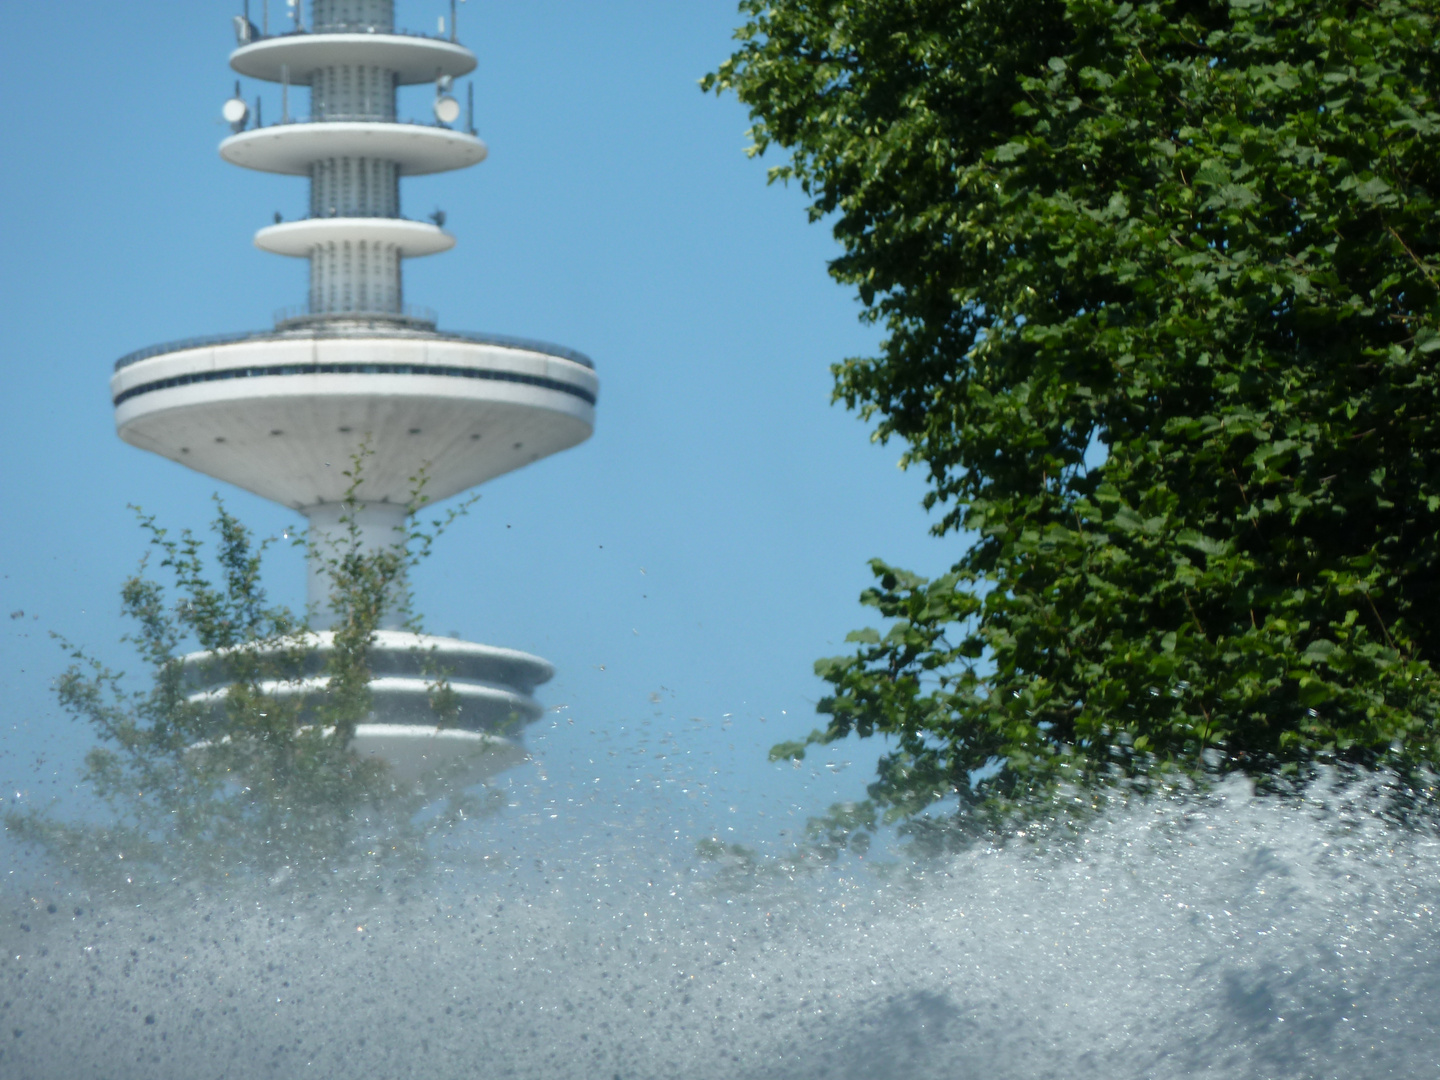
1158, 283
262, 781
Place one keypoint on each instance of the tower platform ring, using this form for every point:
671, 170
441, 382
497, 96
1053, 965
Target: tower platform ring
414, 59
290, 149
493, 683
405, 700
392, 653
413, 238
283, 415
424, 756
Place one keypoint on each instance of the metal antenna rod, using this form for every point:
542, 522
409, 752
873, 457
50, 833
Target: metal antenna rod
453, 27
265, 17
284, 93
470, 95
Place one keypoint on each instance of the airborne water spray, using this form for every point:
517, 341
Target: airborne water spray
1216, 935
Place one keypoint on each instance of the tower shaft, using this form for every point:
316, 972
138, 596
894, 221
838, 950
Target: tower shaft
353, 16
354, 187
356, 277
352, 92
353, 276
337, 532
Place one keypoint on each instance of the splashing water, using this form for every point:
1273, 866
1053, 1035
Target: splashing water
1204, 936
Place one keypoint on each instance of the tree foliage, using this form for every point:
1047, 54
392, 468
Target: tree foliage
265, 781
1159, 289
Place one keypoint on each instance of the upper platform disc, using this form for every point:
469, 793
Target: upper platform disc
414, 59
299, 238
281, 414
419, 149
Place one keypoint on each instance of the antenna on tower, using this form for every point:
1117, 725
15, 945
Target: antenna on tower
235, 111
245, 31
470, 106
453, 27
447, 109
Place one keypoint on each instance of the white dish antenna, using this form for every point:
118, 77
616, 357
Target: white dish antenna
447, 109
235, 112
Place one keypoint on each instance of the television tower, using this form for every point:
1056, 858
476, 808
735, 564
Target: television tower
283, 412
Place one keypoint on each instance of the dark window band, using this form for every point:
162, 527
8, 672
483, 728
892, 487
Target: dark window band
359, 369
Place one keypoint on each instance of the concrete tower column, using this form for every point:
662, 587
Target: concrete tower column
353, 16
351, 187
355, 276
352, 276
353, 92
371, 528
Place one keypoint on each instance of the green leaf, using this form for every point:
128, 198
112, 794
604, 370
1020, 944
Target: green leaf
1372, 189
788, 751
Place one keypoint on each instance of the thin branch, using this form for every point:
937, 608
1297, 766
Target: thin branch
1198, 624
1378, 619
1414, 258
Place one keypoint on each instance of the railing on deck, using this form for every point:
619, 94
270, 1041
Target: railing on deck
257, 33
332, 330
416, 318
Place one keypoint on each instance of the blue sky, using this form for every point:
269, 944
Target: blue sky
682, 569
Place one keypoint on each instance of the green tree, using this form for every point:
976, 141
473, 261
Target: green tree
263, 781
1158, 283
